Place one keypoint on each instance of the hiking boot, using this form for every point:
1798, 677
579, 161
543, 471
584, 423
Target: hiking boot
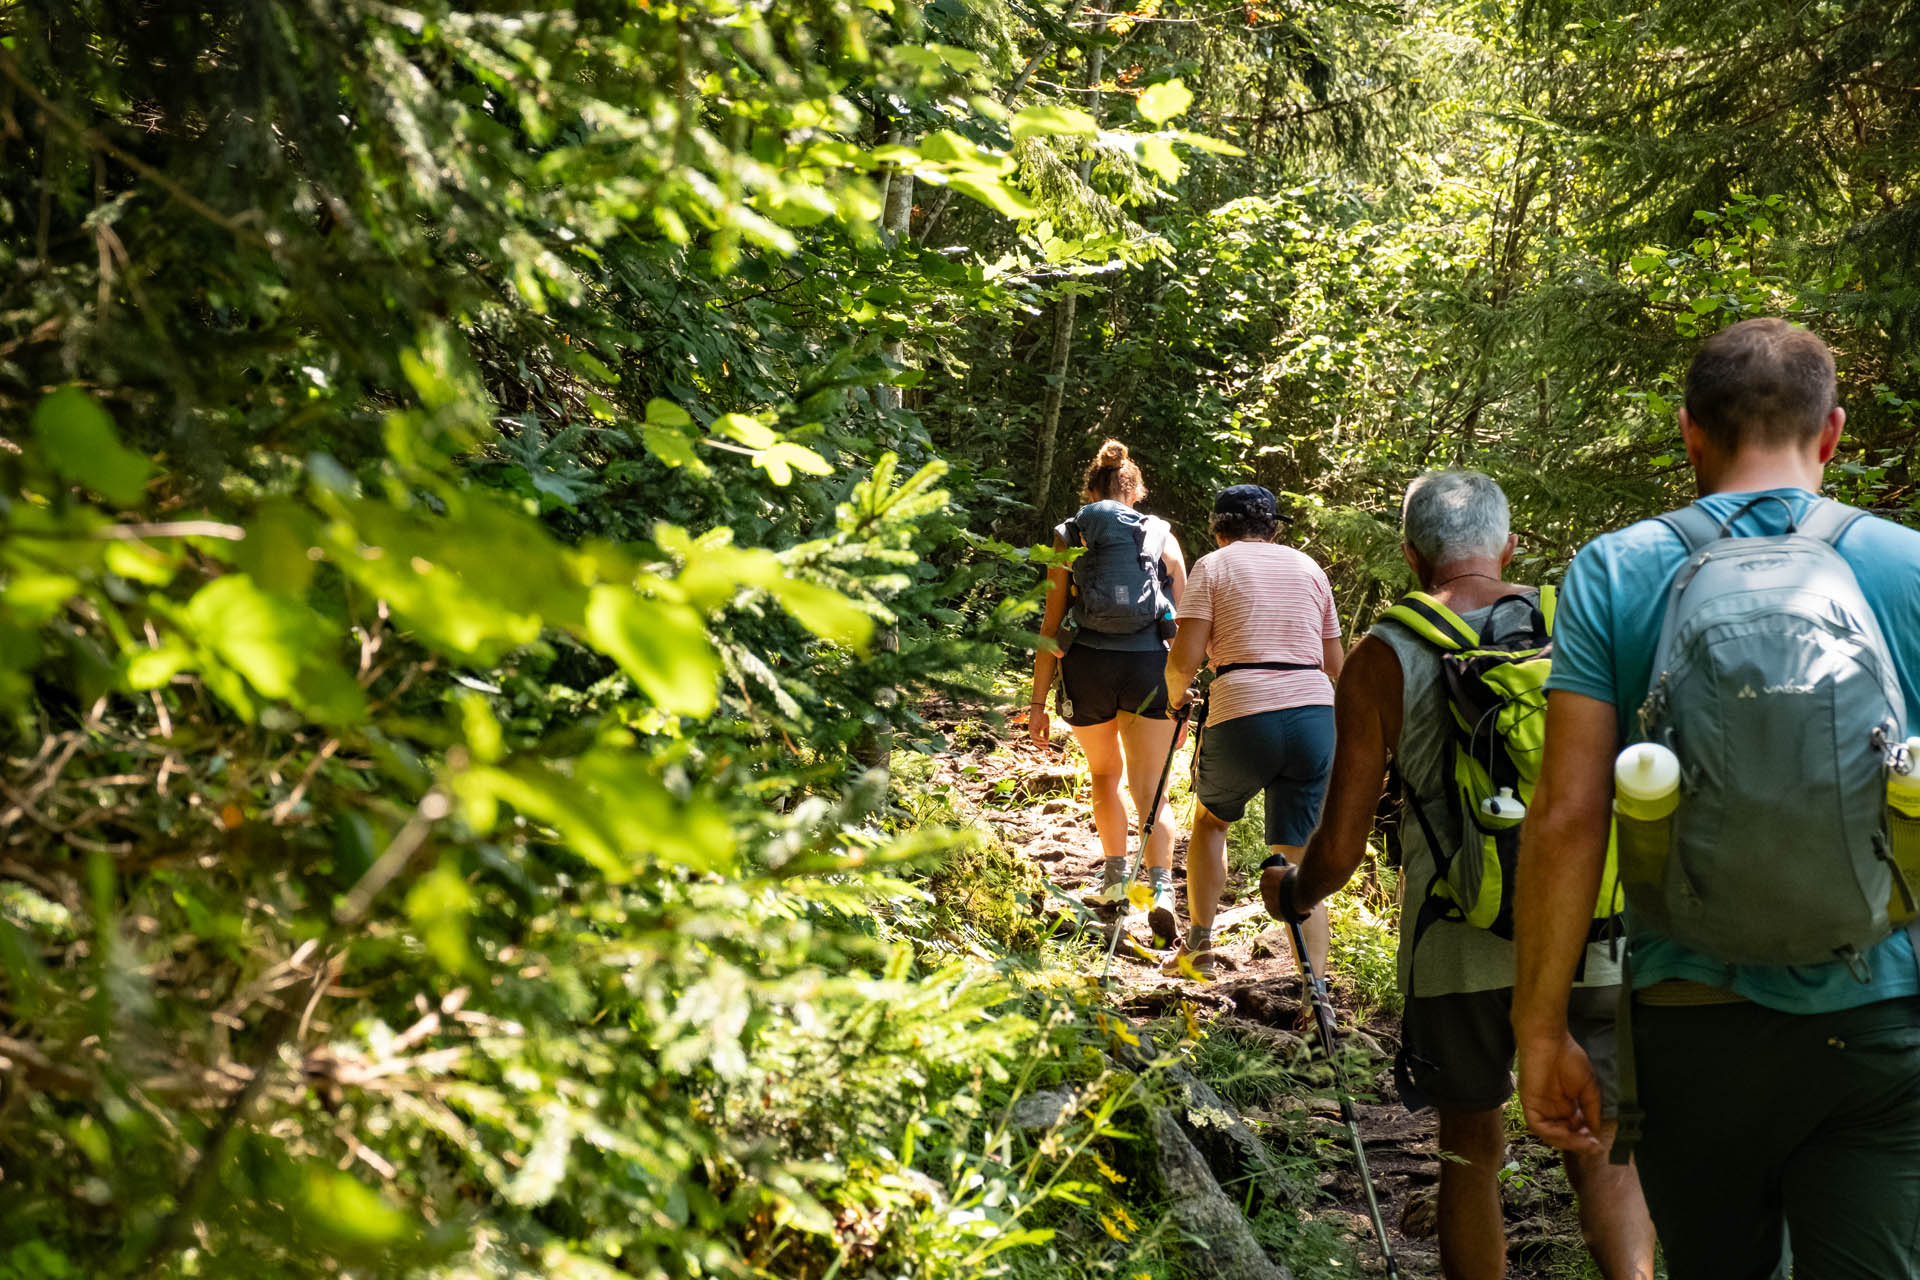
1111, 897
1160, 917
1201, 962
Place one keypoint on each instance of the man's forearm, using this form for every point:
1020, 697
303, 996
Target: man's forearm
1563, 851
1558, 881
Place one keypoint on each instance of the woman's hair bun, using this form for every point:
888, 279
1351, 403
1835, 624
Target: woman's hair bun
1114, 475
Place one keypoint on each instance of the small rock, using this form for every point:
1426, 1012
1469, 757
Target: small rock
1421, 1218
1056, 806
1271, 945
1046, 782
1043, 1110
1049, 855
1366, 1041
1281, 1043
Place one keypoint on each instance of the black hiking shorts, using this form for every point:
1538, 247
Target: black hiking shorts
1098, 684
1457, 1050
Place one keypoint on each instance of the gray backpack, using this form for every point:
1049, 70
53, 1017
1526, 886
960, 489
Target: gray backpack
1118, 585
1773, 685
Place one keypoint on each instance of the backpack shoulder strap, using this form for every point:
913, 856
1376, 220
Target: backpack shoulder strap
1154, 545
1829, 521
1432, 621
1548, 598
1693, 526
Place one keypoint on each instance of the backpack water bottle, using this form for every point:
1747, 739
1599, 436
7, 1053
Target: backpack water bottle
1646, 791
1773, 686
1903, 831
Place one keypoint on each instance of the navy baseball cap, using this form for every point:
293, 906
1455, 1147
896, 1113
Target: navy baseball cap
1247, 500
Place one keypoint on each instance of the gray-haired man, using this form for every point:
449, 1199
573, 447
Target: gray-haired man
1457, 1048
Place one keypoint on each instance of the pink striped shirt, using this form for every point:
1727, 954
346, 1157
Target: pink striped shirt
1268, 603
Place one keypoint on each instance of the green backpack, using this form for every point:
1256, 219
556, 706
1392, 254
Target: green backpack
1496, 693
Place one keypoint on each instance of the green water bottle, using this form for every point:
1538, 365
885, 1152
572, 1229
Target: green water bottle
1646, 791
1903, 830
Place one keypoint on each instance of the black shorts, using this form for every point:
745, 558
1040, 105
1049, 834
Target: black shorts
1098, 684
1286, 753
1457, 1050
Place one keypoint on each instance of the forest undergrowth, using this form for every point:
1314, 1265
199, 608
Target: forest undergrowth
1012, 893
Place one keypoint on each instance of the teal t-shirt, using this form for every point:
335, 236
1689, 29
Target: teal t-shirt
1605, 631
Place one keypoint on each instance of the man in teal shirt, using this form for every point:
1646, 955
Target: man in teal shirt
1782, 1103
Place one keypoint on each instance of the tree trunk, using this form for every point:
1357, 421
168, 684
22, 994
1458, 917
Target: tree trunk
895, 224
1064, 309
1050, 407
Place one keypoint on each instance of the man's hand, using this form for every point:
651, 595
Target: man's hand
1559, 1093
1039, 726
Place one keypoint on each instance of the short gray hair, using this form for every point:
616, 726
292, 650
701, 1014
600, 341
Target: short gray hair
1455, 515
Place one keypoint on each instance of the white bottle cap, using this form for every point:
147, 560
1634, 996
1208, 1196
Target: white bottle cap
1646, 771
1505, 805
1908, 778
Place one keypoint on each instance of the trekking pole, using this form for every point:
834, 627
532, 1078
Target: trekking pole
1323, 1019
1146, 833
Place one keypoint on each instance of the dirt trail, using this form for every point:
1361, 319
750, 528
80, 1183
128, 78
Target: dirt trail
1030, 800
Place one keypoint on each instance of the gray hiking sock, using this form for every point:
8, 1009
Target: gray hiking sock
1112, 871
1157, 877
1199, 938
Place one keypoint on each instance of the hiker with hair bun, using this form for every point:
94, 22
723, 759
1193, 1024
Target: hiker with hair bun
1263, 614
1402, 703
1731, 692
1111, 613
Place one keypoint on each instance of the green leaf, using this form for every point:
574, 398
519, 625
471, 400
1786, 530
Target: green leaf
663, 646
1201, 142
1051, 121
670, 447
1162, 102
783, 459
77, 439
352, 1213
152, 668
665, 413
750, 432
276, 549
824, 611
486, 742
995, 194
439, 904
36, 597
1156, 153
262, 636
1646, 263
141, 562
